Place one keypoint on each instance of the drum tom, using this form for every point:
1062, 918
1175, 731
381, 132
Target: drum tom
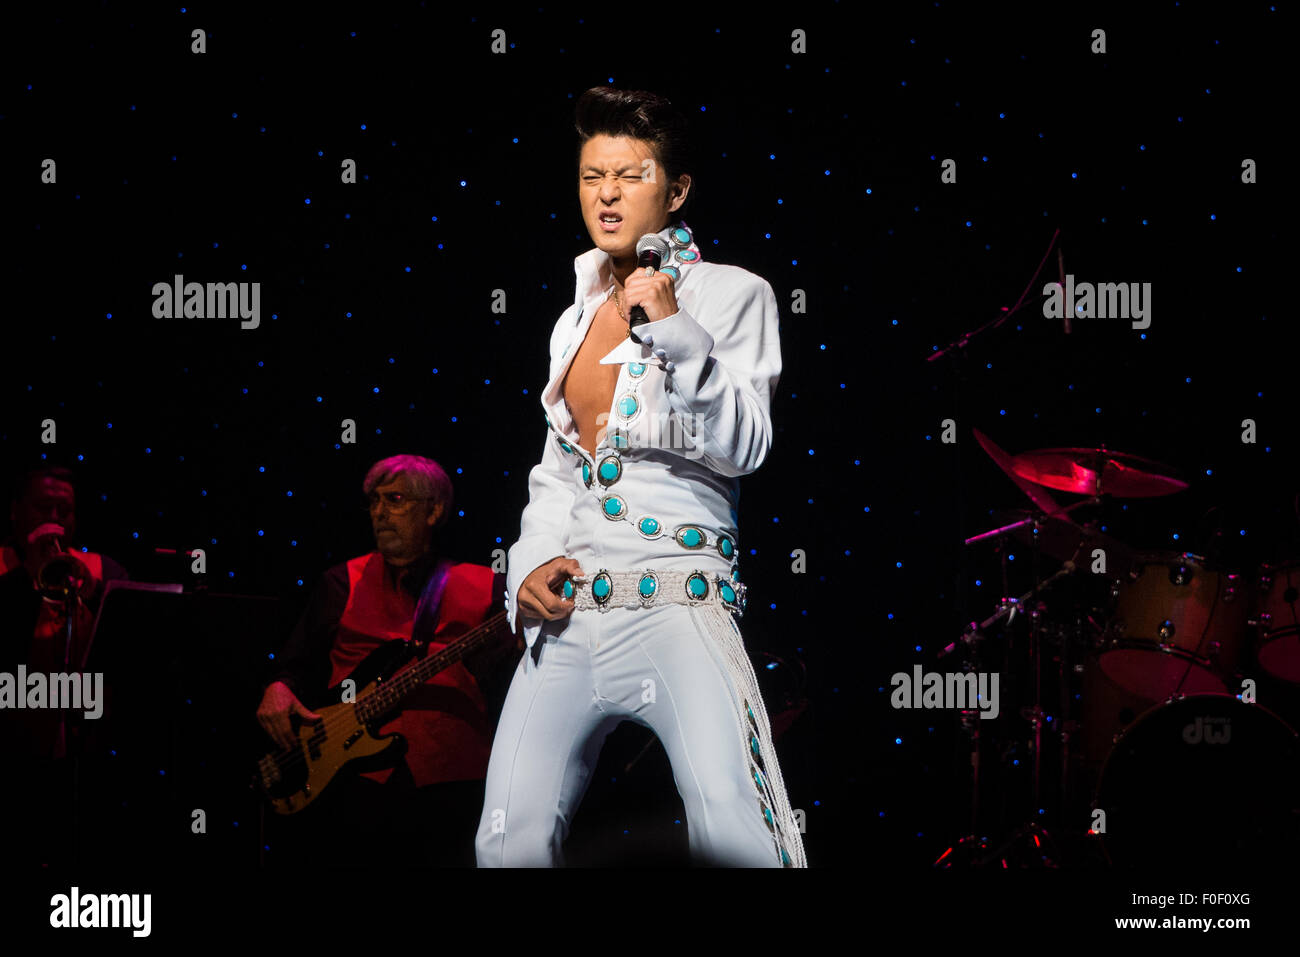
1177, 628
1277, 647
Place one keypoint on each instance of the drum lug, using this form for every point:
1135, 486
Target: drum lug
1180, 574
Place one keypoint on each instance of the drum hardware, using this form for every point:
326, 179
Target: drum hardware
1051, 530
971, 638
1162, 641
1171, 626
1007, 608
1031, 845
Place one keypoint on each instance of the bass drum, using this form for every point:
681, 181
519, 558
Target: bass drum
1201, 780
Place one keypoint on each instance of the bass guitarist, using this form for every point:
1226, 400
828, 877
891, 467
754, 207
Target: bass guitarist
423, 811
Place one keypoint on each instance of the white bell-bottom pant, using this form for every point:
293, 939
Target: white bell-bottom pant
678, 670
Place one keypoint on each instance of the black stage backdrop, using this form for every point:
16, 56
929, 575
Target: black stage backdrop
823, 136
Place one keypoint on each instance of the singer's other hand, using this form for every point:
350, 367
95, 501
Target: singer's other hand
541, 594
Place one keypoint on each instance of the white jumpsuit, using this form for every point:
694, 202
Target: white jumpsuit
655, 509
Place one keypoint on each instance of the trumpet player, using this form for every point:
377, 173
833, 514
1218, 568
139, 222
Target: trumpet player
44, 581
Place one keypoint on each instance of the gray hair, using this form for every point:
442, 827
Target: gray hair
427, 478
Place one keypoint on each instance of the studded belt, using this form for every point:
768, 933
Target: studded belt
642, 589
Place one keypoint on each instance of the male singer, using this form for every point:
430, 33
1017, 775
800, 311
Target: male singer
625, 572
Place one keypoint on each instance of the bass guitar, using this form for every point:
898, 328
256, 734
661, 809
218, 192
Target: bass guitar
348, 731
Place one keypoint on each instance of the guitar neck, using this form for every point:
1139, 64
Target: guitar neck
390, 693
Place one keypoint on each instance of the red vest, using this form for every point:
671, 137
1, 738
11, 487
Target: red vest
444, 722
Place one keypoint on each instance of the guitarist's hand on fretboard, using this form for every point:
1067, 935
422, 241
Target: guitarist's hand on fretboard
278, 703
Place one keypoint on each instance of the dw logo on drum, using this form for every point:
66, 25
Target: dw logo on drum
1208, 730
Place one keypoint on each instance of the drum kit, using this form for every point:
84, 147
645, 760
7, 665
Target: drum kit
1149, 685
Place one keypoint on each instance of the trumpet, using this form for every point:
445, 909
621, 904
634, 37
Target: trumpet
62, 576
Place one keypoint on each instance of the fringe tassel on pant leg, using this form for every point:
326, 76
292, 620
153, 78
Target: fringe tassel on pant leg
719, 624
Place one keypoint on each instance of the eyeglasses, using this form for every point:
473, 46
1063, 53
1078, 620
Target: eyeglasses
397, 503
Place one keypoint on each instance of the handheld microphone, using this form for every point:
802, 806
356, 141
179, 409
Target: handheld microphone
650, 251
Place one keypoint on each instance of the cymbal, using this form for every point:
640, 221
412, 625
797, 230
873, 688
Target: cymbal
1005, 462
1097, 472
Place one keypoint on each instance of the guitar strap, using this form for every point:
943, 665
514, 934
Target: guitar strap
426, 610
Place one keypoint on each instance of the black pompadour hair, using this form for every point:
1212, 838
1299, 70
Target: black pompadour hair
642, 115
